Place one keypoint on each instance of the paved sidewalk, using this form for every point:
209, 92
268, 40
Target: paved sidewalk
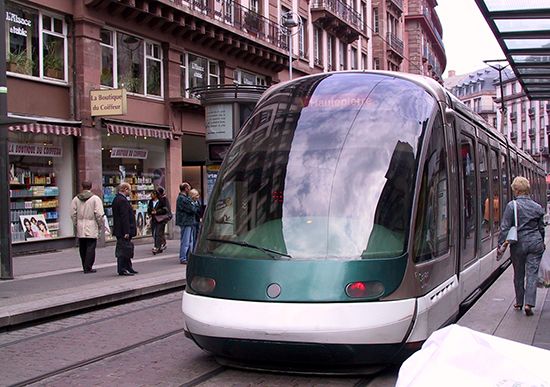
49, 284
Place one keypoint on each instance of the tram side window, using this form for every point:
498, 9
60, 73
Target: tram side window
469, 198
504, 183
432, 223
484, 191
495, 189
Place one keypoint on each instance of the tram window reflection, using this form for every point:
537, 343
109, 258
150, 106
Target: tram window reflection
469, 198
432, 222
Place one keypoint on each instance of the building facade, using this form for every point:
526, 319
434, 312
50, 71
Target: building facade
158, 51
424, 40
478, 91
526, 123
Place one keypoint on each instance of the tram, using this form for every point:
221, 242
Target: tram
354, 214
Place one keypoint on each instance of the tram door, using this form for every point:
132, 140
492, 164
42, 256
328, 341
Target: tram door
468, 169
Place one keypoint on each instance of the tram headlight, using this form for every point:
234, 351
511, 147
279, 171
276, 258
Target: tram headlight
203, 284
365, 289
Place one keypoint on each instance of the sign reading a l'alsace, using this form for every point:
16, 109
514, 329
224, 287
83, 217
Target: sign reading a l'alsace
129, 153
40, 150
111, 102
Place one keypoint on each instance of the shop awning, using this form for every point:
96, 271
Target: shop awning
42, 128
141, 131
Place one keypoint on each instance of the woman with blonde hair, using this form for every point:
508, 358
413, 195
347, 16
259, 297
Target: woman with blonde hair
527, 252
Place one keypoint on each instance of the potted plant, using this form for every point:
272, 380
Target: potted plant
20, 63
131, 84
53, 62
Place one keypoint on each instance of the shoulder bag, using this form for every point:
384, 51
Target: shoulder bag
512, 236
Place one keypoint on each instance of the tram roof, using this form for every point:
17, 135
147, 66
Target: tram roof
522, 28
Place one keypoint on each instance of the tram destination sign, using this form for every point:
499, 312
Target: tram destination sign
110, 102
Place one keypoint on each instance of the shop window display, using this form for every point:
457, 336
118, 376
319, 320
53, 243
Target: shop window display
139, 162
41, 181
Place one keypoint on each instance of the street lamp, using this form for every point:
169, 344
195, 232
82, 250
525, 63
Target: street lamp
289, 20
499, 68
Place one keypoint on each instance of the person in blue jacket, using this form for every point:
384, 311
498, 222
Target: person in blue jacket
186, 210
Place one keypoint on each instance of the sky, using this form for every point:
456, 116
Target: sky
467, 37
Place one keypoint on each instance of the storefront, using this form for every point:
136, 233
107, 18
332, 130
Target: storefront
136, 155
41, 179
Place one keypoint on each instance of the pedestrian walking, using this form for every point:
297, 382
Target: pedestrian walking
527, 216
87, 215
124, 229
159, 210
185, 218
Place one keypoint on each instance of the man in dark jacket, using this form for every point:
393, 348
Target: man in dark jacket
124, 229
185, 219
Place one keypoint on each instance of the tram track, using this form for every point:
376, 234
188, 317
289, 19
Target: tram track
96, 359
81, 325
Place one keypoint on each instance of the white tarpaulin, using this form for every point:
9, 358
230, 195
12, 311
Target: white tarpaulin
458, 356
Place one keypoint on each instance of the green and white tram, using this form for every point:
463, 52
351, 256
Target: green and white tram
354, 214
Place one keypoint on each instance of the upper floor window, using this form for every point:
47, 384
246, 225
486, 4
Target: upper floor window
130, 62
364, 65
36, 43
317, 45
246, 78
330, 52
197, 71
302, 33
375, 22
343, 56
354, 58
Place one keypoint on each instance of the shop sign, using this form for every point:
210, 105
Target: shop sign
219, 122
39, 150
20, 30
129, 153
108, 102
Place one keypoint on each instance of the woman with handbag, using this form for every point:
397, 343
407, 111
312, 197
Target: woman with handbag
526, 216
159, 210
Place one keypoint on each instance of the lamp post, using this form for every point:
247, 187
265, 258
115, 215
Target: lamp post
499, 68
289, 20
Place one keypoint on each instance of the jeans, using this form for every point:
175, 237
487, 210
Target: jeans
526, 261
186, 242
159, 234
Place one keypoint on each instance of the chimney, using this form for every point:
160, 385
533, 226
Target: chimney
451, 73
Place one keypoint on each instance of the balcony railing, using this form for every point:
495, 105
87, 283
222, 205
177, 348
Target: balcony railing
395, 43
340, 9
240, 18
428, 17
398, 3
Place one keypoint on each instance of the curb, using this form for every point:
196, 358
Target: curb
85, 297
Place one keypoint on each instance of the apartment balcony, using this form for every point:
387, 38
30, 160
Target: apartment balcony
514, 135
532, 132
513, 116
397, 4
532, 111
338, 18
221, 25
395, 44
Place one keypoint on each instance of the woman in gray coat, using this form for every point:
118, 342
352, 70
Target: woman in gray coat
527, 252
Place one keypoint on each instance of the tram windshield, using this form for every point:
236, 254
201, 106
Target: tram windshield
324, 169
